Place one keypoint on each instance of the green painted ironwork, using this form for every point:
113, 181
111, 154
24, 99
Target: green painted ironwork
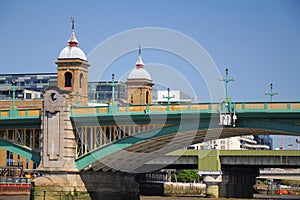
13, 112
240, 107
20, 150
271, 93
168, 98
226, 80
77, 101
118, 145
260, 125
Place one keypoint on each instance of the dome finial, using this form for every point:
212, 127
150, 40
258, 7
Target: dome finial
139, 62
140, 49
73, 41
73, 22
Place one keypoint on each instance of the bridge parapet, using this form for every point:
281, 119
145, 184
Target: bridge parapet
20, 113
240, 107
198, 107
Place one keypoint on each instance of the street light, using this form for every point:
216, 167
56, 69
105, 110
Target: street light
113, 89
226, 80
77, 101
13, 111
271, 93
169, 97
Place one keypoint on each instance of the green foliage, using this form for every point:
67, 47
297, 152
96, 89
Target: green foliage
188, 175
266, 182
290, 182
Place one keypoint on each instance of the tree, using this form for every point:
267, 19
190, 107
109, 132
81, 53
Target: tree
187, 175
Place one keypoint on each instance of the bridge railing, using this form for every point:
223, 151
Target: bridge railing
240, 107
279, 171
20, 113
267, 106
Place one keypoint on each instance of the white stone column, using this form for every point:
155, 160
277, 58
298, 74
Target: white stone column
212, 181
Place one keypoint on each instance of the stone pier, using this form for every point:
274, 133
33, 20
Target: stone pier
212, 182
86, 186
60, 178
238, 182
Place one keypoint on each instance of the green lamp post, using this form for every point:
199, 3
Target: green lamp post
271, 93
168, 97
13, 111
226, 80
113, 89
77, 101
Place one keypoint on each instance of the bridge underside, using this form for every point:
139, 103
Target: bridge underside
127, 147
131, 155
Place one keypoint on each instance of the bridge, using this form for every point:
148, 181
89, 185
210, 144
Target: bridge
291, 174
95, 127
236, 170
124, 138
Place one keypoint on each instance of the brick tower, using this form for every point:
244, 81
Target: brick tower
139, 84
72, 71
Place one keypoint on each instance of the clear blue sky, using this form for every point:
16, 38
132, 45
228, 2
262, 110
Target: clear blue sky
259, 41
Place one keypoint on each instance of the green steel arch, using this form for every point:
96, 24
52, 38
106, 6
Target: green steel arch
248, 124
20, 150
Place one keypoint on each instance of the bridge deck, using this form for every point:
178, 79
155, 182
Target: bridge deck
240, 107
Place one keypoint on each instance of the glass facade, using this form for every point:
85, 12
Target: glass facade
100, 92
35, 82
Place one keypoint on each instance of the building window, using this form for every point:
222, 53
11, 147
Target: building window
80, 80
68, 79
147, 97
28, 96
19, 160
9, 158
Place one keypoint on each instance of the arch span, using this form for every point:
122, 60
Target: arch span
134, 151
20, 150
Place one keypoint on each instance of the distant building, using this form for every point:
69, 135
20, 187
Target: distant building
247, 142
31, 86
33, 82
30, 94
237, 143
174, 95
101, 92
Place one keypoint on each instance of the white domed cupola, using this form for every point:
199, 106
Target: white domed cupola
139, 83
72, 50
139, 72
72, 71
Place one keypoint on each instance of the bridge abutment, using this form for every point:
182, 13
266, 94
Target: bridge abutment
86, 186
238, 182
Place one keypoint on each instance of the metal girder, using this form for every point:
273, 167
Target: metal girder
20, 150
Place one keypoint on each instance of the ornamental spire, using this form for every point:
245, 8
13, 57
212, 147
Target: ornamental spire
139, 62
73, 41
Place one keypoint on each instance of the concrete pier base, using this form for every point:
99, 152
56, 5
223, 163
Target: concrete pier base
212, 185
58, 186
111, 185
85, 186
